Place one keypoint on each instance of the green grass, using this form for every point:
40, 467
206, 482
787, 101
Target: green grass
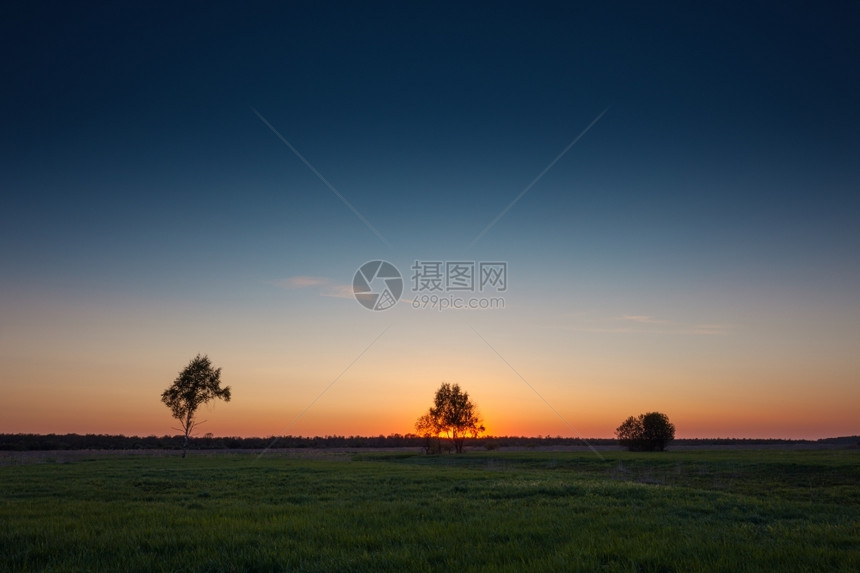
731, 510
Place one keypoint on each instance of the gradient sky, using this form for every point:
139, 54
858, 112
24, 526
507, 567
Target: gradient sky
696, 252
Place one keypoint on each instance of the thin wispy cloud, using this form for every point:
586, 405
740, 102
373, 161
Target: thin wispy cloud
302, 282
712, 329
644, 324
323, 285
338, 291
642, 319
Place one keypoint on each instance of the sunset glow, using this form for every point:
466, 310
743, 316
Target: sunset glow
677, 217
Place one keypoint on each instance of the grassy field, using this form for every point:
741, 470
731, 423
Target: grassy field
721, 510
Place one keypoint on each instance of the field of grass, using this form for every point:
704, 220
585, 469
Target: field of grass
722, 510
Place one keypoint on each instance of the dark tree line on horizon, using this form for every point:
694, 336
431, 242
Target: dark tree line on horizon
47, 442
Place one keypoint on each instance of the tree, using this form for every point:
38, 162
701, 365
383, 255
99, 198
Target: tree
452, 414
427, 429
647, 432
629, 432
197, 384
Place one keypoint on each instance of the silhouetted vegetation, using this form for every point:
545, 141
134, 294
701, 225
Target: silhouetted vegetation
649, 432
46, 442
197, 384
454, 415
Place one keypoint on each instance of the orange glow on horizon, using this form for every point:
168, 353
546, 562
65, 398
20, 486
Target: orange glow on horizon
382, 395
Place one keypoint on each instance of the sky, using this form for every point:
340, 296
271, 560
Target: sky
670, 189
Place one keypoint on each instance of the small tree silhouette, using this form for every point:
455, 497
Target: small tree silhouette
452, 414
197, 384
647, 432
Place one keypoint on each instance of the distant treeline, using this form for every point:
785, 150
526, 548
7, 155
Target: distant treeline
36, 442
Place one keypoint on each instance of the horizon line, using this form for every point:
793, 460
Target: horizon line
411, 435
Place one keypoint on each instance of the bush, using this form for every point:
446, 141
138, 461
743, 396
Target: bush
649, 432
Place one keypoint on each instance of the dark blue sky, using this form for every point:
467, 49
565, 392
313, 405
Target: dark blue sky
118, 113
725, 171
